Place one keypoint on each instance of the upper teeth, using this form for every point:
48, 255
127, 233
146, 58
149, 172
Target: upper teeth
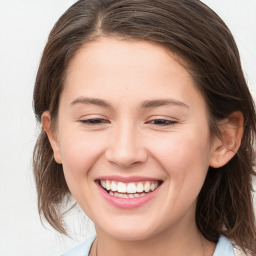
133, 187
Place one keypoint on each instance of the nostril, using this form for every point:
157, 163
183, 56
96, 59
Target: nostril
126, 158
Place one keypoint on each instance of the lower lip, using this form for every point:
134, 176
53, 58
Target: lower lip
127, 203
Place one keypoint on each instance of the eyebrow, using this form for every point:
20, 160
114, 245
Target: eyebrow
145, 104
93, 101
163, 102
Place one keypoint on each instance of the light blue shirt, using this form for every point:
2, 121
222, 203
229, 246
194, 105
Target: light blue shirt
223, 248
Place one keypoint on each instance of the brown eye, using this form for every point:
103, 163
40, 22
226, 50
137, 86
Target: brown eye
94, 121
163, 122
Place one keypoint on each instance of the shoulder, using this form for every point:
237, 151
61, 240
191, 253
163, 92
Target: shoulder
82, 249
225, 248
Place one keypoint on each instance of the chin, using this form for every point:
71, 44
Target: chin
129, 231
137, 235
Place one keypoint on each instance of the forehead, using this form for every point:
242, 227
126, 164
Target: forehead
127, 53
128, 69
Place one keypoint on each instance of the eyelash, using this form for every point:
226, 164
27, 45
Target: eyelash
162, 122
100, 121
94, 121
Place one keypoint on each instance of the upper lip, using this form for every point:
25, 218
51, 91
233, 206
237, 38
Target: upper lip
127, 179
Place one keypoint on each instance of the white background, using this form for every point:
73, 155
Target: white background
24, 27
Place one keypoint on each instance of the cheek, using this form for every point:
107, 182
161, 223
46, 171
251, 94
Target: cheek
184, 156
185, 161
79, 152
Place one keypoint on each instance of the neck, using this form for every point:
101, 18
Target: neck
175, 242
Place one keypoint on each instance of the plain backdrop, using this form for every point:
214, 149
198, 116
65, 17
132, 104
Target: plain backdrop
24, 27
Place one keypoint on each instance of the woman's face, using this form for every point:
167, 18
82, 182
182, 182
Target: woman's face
131, 120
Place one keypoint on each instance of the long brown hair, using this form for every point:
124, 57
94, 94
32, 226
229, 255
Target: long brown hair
196, 34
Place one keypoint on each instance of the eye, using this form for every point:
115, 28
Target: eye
94, 121
162, 122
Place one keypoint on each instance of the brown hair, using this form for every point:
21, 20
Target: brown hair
196, 34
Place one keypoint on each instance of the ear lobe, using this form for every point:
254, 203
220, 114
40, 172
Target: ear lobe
52, 136
225, 148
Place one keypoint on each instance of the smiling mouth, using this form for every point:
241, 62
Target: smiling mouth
129, 190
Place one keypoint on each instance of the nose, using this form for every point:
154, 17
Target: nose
125, 147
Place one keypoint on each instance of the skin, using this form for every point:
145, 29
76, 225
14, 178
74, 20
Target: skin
127, 140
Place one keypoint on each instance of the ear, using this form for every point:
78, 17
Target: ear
224, 148
52, 136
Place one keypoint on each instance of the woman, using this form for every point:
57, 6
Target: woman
148, 123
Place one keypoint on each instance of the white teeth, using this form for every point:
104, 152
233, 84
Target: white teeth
108, 185
153, 186
103, 183
131, 188
116, 194
147, 187
140, 187
122, 195
121, 187
113, 186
